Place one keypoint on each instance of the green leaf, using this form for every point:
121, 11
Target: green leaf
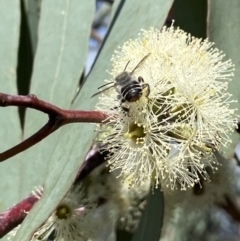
191, 16
24, 69
115, 7
62, 48
152, 220
223, 29
33, 12
64, 30
66, 149
10, 133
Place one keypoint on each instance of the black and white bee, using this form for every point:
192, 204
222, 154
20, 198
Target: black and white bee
128, 87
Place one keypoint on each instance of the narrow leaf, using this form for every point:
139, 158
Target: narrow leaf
64, 30
223, 29
10, 132
59, 61
25, 59
115, 7
33, 8
152, 220
191, 16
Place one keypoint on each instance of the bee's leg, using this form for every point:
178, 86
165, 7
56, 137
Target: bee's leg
148, 89
140, 79
125, 109
121, 99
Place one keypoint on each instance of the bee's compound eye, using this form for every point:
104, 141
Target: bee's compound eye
133, 95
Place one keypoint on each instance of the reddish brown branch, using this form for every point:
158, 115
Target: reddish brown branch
29, 101
93, 159
57, 118
15, 215
31, 141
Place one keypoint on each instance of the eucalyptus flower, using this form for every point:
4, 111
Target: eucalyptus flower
118, 206
168, 135
205, 194
69, 221
79, 219
212, 224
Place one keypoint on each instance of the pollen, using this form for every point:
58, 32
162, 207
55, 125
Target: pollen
136, 133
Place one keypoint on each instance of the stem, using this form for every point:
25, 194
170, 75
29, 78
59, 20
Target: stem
32, 140
57, 118
14, 216
93, 159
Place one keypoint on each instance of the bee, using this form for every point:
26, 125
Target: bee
128, 87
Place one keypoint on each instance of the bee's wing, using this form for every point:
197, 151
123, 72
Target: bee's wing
140, 63
103, 89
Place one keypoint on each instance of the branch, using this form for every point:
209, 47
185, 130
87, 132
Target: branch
93, 159
14, 216
57, 118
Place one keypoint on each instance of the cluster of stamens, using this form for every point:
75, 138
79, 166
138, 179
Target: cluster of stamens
136, 133
169, 136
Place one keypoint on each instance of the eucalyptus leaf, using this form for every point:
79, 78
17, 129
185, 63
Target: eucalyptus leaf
59, 61
152, 220
191, 16
33, 8
10, 133
223, 29
115, 7
64, 30
67, 153
33, 20
24, 69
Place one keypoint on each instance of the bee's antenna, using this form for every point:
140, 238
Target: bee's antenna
142, 60
105, 85
102, 90
126, 66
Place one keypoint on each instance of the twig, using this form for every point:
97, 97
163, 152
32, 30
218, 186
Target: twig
93, 159
57, 118
15, 215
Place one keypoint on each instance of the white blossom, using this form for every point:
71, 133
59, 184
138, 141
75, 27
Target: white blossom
69, 221
169, 136
205, 194
118, 205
